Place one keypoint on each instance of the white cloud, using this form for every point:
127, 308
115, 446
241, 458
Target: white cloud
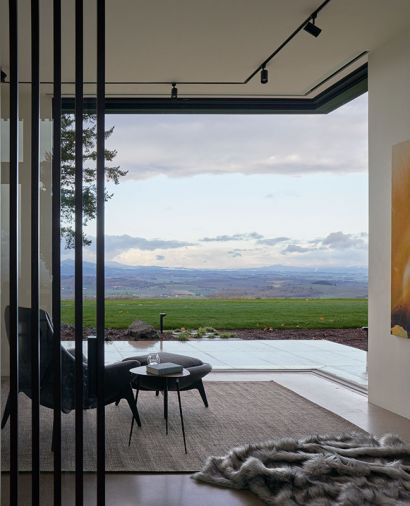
273, 241
115, 244
339, 240
119, 244
336, 248
295, 248
182, 146
333, 242
234, 237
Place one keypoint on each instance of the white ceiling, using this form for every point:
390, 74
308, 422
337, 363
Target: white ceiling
213, 40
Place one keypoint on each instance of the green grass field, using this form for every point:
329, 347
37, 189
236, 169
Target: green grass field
228, 313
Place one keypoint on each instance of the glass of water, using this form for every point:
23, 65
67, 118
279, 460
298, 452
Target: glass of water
153, 358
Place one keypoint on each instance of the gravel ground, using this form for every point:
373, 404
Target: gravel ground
357, 338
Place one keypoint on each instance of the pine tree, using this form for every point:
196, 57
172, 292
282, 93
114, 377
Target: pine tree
113, 174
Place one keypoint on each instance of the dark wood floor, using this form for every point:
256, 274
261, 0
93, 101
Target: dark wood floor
135, 490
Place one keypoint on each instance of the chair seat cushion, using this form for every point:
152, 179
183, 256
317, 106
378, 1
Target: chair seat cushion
183, 360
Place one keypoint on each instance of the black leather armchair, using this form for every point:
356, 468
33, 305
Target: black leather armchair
117, 380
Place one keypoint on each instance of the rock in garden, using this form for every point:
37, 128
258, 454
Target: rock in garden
142, 330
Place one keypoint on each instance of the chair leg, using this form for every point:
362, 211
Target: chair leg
201, 390
6, 413
133, 406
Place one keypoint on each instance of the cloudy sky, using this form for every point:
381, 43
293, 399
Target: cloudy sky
218, 191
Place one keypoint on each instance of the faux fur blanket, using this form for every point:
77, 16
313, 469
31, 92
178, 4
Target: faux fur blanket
348, 469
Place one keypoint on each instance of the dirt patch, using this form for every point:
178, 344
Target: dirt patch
357, 338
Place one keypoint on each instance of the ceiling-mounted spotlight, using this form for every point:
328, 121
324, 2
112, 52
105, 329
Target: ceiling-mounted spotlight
264, 75
311, 28
174, 91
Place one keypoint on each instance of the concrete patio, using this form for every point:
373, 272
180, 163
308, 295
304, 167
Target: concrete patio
336, 361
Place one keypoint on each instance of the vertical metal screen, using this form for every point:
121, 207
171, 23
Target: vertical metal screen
35, 246
14, 250
35, 256
56, 253
78, 252
100, 250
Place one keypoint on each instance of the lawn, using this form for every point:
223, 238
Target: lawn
228, 313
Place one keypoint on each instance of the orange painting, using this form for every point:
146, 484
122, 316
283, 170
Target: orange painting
400, 247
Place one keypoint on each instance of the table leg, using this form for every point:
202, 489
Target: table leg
166, 404
180, 414
133, 419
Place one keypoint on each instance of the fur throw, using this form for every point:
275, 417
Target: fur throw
348, 469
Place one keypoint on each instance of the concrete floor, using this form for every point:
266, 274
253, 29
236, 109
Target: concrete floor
181, 490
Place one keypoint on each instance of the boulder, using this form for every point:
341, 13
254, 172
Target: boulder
142, 330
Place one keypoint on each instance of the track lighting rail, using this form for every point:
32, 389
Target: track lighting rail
286, 42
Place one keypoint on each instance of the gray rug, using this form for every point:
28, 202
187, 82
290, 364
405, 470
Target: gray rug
238, 413
346, 470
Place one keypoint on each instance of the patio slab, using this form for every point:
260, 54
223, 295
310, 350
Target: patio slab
338, 360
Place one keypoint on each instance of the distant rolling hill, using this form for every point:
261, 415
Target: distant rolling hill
263, 282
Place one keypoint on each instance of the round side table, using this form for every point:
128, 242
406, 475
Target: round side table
139, 372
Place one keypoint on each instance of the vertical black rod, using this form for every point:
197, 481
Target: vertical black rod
35, 288
56, 254
100, 251
14, 249
78, 291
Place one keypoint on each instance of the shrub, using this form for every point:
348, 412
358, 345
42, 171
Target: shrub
201, 332
226, 335
184, 336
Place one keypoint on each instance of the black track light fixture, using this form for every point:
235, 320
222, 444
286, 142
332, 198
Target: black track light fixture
311, 27
174, 91
264, 75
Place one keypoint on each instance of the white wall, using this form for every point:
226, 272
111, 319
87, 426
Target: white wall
389, 124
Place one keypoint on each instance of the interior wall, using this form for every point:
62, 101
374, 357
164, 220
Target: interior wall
389, 124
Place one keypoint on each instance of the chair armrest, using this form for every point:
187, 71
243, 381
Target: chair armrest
117, 380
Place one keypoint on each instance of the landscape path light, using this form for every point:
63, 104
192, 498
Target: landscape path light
161, 322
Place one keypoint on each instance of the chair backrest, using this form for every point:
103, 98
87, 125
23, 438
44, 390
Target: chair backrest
25, 345
46, 360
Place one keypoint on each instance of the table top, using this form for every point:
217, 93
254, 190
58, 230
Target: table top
142, 371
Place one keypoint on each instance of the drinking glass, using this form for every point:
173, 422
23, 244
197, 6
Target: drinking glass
153, 358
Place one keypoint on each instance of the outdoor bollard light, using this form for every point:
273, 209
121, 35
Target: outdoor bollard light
161, 322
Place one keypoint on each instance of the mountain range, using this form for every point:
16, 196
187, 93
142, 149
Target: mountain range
272, 281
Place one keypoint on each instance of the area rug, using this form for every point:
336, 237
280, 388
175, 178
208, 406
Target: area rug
238, 413
348, 470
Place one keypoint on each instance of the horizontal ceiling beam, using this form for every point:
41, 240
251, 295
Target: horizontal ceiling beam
348, 88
